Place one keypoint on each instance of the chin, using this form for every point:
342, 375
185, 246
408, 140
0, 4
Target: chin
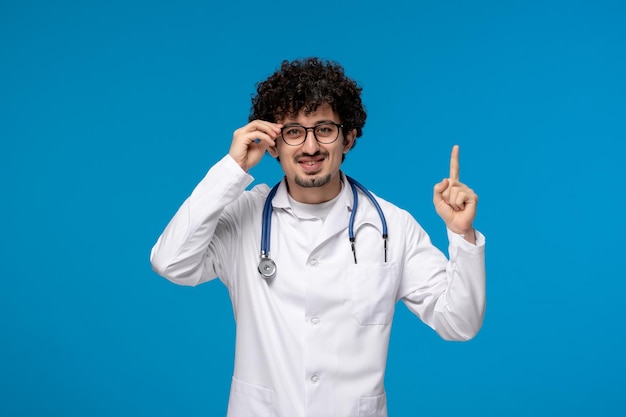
312, 181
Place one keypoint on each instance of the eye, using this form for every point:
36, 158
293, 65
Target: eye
325, 130
292, 131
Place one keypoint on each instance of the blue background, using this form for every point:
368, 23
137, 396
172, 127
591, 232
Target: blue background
111, 112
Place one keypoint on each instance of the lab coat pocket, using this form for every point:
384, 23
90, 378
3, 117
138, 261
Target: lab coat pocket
373, 292
373, 406
249, 400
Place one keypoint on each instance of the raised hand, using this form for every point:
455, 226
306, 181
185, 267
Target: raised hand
455, 202
251, 141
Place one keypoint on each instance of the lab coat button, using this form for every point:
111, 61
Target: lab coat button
314, 263
315, 320
315, 379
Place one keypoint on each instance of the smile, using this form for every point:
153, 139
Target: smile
311, 165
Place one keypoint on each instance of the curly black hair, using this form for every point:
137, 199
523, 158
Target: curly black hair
304, 85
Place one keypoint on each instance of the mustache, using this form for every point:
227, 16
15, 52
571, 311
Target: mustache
311, 155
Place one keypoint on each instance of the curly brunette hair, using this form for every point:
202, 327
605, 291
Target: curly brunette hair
304, 85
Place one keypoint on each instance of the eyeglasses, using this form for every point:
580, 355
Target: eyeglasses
294, 134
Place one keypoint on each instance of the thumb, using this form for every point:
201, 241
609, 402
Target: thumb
438, 191
441, 186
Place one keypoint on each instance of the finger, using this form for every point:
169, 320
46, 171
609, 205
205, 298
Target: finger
452, 196
459, 201
275, 127
263, 138
257, 131
270, 129
454, 164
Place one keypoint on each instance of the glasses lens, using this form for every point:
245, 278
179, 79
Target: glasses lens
326, 133
294, 135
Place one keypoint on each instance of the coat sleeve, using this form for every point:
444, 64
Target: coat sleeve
448, 295
184, 252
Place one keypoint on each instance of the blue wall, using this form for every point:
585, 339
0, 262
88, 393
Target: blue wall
111, 112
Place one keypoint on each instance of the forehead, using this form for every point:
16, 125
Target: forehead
323, 113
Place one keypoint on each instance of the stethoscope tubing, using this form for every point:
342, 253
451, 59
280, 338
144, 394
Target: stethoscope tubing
354, 184
267, 267
267, 222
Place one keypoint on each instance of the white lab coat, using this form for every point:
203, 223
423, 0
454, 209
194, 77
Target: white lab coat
313, 340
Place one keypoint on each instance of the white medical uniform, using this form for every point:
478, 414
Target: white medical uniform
313, 340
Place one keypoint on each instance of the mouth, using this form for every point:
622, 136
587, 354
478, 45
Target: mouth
311, 164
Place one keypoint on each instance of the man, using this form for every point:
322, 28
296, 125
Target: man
314, 309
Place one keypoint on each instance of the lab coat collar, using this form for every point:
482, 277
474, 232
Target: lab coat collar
337, 220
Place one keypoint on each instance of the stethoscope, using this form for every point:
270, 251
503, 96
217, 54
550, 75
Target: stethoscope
267, 267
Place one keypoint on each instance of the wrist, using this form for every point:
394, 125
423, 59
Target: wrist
467, 235
470, 236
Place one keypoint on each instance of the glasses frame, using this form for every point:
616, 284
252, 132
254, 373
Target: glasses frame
306, 132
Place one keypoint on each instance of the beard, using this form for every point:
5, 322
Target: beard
312, 181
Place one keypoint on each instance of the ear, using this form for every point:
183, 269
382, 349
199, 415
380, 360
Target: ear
348, 141
273, 151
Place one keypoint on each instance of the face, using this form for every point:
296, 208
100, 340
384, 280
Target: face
312, 168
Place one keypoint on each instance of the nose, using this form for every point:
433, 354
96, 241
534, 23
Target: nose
310, 144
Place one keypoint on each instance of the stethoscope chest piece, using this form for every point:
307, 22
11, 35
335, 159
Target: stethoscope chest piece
267, 267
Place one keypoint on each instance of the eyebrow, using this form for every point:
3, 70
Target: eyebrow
320, 122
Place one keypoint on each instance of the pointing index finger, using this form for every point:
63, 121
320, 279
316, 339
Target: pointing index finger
454, 164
